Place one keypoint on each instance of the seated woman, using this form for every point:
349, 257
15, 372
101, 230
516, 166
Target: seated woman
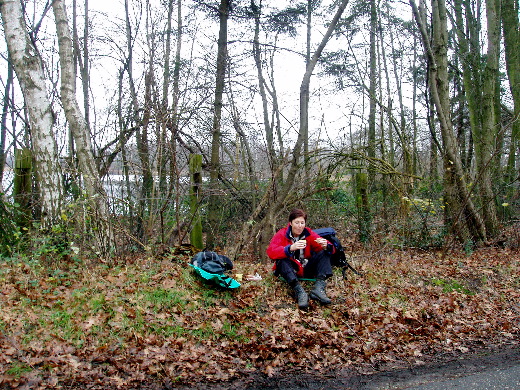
299, 252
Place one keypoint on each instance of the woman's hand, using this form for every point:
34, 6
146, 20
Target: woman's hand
298, 245
323, 242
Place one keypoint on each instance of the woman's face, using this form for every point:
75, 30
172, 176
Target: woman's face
297, 226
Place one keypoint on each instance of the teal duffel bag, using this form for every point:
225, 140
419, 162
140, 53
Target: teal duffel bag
212, 267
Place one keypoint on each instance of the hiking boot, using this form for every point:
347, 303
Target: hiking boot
318, 292
301, 297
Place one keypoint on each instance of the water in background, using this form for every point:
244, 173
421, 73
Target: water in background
7, 181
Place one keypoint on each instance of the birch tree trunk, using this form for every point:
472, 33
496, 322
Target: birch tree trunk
28, 67
97, 198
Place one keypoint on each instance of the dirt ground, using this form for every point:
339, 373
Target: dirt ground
436, 368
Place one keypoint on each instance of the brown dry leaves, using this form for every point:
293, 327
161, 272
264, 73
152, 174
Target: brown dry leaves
154, 322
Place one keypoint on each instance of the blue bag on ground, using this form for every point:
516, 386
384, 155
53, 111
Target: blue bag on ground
212, 266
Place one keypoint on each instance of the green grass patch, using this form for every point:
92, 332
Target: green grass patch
169, 331
451, 286
17, 369
204, 332
98, 303
233, 332
163, 299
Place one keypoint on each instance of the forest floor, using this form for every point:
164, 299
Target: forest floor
148, 322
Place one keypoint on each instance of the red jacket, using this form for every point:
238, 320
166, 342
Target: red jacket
279, 247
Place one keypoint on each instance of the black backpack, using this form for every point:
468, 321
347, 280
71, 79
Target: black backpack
338, 258
212, 262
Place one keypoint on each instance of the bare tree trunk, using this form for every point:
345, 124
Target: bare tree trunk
404, 138
276, 122
81, 57
213, 207
174, 168
386, 155
371, 148
85, 74
153, 108
247, 156
141, 138
390, 156
480, 79
414, 106
163, 118
122, 125
28, 66
459, 125
306, 162
435, 147
268, 128
510, 9
304, 100
195, 164
94, 187
403, 133
145, 202
464, 222
491, 127
265, 207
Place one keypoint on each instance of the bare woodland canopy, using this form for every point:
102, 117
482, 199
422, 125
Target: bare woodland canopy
393, 120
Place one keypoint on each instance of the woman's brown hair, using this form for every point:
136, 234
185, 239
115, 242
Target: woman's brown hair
297, 213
